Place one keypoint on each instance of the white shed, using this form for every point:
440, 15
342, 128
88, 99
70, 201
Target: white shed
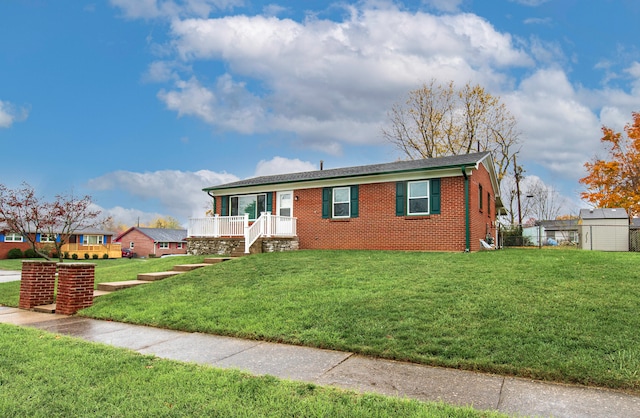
604, 229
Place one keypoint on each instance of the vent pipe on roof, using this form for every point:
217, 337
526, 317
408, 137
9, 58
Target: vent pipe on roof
321, 165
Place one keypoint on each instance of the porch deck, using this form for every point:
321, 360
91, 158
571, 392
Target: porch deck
237, 228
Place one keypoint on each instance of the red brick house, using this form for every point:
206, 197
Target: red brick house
154, 242
437, 204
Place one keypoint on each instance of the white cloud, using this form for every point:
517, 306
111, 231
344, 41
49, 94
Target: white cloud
228, 105
9, 114
559, 132
172, 9
180, 192
130, 217
281, 165
329, 82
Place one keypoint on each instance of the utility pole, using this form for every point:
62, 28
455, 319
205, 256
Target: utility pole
517, 172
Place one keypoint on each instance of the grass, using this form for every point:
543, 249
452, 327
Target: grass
558, 315
111, 270
47, 375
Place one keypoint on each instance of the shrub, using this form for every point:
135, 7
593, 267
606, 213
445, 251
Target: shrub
74, 256
66, 255
15, 253
86, 256
54, 255
105, 256
95, 256
30, 253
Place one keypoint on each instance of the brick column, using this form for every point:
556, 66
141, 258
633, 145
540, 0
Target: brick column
38, 283
75, 287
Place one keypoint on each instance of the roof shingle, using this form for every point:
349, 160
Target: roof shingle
364, 170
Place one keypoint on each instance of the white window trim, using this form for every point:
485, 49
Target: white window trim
47, 238
409, 197
100, 240
13, 237
163, 245
334, 202
179, 246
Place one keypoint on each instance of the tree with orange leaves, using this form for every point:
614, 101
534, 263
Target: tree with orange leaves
615, 183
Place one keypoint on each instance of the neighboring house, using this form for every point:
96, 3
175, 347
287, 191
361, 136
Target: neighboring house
154, 242
604, 229
437, 204
552, 232
83, 242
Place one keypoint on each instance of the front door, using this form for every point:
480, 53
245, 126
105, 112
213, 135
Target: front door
284, 226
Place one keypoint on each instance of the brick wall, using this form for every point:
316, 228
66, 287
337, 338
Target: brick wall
377, 227
482, 219
75, 287
37, 284
6, 246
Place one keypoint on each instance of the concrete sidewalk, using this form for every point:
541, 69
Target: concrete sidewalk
509, 395
10, 276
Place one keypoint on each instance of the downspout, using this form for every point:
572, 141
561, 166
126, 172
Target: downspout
214, 201
467, 233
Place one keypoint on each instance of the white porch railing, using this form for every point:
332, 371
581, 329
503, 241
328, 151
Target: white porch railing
267, 225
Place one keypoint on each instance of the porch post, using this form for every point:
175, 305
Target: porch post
216, 225
246, 229
267, 219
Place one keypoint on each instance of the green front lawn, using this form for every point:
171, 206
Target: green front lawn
111, 270
558, 315
45, 375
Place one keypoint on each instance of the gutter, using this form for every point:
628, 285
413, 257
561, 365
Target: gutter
467, 232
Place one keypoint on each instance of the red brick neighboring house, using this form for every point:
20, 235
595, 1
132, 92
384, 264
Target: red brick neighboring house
154, 242
437, 204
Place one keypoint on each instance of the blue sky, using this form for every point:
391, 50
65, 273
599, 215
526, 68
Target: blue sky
143, 103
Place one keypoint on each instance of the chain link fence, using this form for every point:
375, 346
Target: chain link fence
588, 237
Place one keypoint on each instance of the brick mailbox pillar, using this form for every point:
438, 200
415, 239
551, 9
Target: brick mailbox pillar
75, 287
38, 283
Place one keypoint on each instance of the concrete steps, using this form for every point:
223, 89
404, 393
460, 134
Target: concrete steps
152, 277
113, 286
143, 278
189, 267
214, 260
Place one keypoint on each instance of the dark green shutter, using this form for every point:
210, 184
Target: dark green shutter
224, 206
354, 201
435, 197
270, 202
326, 202
401, 188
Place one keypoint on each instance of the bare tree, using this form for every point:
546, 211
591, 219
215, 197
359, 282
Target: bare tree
438, 120
23, 212
544, 202
538, 201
